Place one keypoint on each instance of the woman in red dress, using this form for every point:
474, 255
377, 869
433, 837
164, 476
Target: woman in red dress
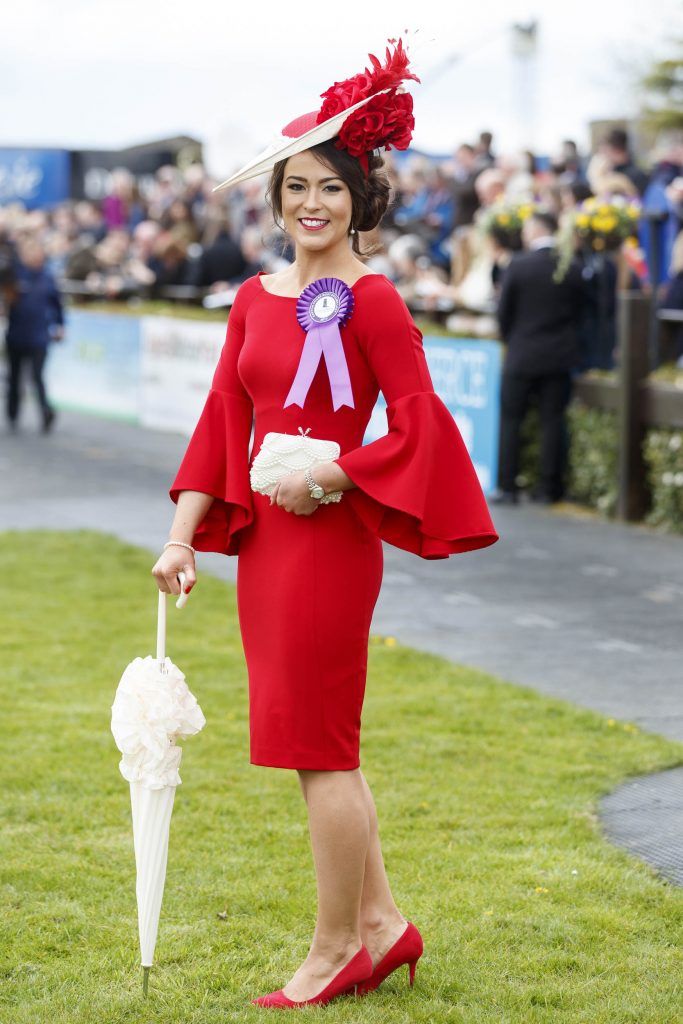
308, 576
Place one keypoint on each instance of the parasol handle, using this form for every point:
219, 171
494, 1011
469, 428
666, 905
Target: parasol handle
161, 620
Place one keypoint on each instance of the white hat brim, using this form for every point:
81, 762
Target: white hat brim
284, 147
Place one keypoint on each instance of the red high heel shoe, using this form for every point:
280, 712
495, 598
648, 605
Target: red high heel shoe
406, 950
358, 969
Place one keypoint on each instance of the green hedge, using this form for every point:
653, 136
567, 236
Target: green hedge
593, 457
592, 461
663, 454
593, 464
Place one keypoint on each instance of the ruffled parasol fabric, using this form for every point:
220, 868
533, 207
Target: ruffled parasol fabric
151, 711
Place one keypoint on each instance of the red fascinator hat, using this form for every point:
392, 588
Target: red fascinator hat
370, 111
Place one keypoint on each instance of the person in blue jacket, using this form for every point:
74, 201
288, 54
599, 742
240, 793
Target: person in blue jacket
35, 318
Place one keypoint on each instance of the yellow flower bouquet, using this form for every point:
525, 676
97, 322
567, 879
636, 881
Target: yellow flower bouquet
598, 226
604, 224
503, 222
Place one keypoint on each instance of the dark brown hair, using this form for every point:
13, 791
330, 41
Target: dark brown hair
370, 196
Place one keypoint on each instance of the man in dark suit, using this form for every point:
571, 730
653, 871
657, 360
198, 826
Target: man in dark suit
538, 321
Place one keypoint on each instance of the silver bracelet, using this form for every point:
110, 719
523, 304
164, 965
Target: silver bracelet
180, 544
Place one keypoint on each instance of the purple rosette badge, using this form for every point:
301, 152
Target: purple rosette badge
322, 308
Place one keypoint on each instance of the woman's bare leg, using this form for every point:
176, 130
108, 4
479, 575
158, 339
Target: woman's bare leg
381, 922
339, 828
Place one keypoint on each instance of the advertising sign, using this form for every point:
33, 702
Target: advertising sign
34, 177
96, 368
178, 361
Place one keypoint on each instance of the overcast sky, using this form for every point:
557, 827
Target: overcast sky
82, 73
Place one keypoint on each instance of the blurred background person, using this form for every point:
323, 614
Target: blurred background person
139, 275
169, 263
663, 205
672, 294
503, 244
566, 165
106, 278
35, 318
573, 194
179, 222
122, 207
518, 172
438, 217
472, 264
464, 176
538, 322
616, 151
484, 156
222, 260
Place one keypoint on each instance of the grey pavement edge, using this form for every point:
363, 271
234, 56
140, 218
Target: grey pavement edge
566, 603
645, 816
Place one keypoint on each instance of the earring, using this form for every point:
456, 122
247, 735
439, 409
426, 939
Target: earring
352, 231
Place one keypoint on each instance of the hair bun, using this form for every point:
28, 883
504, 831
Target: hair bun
378, 193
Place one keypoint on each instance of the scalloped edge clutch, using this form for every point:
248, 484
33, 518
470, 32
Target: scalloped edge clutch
283, 454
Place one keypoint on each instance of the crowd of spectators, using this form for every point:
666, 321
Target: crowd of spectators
179, 240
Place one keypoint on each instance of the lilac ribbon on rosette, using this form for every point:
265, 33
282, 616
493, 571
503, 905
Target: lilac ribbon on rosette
322, 308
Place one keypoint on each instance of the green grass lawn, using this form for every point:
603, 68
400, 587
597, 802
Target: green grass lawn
487, 797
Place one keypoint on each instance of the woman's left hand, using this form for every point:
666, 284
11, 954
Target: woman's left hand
291, 493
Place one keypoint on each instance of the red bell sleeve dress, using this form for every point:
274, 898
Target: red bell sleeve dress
307, 585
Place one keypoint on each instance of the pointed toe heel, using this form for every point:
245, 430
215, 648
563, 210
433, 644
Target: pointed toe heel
347, 981
411, 970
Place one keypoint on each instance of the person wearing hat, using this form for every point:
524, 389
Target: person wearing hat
307, 350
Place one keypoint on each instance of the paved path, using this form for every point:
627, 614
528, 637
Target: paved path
565, 603
645, 816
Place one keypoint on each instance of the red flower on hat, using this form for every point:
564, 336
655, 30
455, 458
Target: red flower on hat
386, 119
343, 95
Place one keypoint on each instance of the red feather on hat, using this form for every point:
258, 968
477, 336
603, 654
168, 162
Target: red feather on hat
370, 132
393, 72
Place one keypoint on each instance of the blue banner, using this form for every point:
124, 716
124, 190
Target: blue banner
466, 376
34, 177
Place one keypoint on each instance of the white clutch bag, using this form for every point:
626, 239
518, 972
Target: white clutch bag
282, 454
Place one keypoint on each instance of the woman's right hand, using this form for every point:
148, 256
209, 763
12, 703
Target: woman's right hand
173, 560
